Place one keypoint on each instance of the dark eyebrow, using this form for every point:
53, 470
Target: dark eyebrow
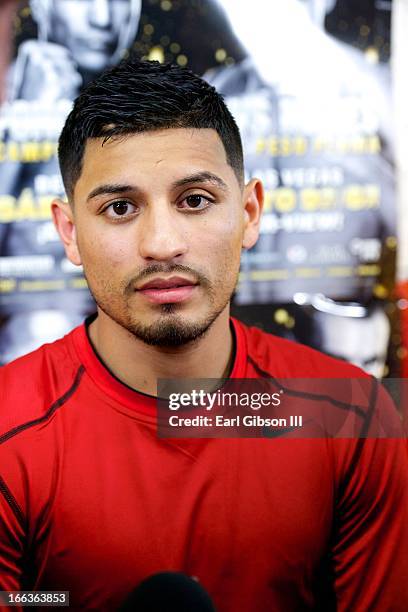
201, 177
198, 177
110, 189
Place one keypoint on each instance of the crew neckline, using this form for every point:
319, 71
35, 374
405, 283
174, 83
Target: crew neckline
120, 392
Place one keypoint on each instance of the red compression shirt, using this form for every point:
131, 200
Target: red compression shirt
92, 501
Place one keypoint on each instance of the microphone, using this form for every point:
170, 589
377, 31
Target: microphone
168, 592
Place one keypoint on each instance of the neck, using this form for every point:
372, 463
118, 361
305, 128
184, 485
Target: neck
139, 365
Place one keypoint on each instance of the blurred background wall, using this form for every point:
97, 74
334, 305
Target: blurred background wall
309, 82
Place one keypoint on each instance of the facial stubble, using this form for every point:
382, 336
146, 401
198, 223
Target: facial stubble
170, 329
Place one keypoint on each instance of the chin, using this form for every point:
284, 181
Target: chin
171, 329
93, 62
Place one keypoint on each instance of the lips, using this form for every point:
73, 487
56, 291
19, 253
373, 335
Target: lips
168, 290
169, 283
94, 43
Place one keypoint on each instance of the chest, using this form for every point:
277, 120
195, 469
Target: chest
136, 505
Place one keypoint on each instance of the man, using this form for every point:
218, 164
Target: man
92, 501
77, 39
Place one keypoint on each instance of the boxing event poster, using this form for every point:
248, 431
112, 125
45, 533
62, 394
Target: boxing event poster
315, 114
309, 84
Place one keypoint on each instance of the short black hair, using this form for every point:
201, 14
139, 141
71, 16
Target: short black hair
141, 96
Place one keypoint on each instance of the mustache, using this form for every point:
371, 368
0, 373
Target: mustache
144, 274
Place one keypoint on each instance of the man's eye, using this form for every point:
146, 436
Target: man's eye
122, 208
195, 202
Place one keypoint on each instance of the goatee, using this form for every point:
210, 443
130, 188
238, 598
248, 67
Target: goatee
171, 330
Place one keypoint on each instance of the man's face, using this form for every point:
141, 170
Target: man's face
160, 222
90, 29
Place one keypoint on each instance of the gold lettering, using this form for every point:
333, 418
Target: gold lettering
285, 199
29, 152
7, 207
7, 285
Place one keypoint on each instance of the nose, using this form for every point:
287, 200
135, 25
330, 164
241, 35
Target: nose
161, 236
99, 13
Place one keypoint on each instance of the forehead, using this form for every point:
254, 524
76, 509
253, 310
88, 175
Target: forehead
71, 7
154, 158
328, 5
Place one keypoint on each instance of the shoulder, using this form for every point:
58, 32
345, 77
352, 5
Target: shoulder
32, 384
281, 357
355, 401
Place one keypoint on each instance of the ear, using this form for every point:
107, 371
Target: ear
63, 217
253, 199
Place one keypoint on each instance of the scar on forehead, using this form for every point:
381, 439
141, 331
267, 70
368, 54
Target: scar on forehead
158, 162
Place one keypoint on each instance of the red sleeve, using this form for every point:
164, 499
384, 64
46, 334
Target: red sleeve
12, 537
370, 553
27, 490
